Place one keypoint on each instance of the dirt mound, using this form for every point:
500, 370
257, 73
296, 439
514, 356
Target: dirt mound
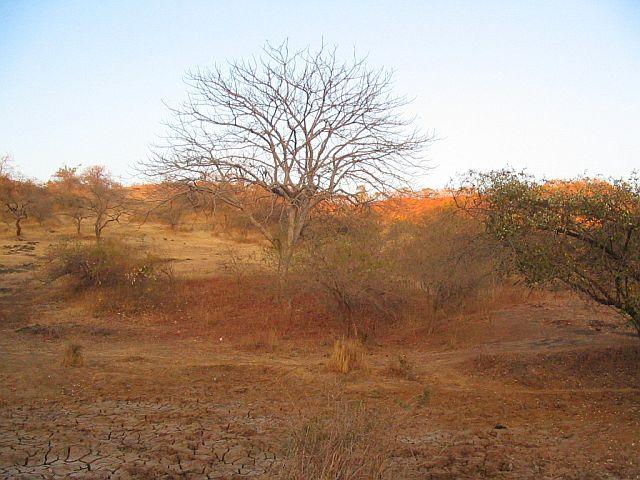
612, 367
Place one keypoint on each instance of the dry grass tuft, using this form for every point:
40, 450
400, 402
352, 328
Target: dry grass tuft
349, 443
347, 355
269, 341
73, 355
402, 367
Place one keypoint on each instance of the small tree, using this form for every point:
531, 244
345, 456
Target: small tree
70, 195
106, 199
20, 198
174, 211
296, 128
584, 233
5, 166
171, 205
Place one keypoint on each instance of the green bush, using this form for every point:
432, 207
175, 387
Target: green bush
582, 232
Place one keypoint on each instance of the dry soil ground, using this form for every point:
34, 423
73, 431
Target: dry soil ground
546, 389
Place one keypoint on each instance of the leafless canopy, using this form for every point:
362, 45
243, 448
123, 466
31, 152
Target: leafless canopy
298, 122
301, 125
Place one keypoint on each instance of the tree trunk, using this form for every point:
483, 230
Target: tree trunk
287, 244
297, 216
97, 227
78, 222
18, 227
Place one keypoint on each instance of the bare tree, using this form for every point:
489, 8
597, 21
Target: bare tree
294, 127
106, 199
173, 210
18, 199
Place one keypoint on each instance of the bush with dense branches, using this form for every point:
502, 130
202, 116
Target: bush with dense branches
131, 277
584, 233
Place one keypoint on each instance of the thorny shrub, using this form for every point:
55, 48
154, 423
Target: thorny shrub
448, 259
370, 268
120, 276
345, 257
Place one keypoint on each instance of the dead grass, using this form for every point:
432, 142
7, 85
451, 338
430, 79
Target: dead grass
423, 397
73, 355
254, 396
347, 355
268, 341
348, 443
248, 313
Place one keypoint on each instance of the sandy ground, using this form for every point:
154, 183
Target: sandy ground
549, 389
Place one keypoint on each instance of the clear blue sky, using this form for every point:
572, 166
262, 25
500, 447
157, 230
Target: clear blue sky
551, 86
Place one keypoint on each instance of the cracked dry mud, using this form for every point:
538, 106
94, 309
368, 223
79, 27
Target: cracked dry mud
123, 439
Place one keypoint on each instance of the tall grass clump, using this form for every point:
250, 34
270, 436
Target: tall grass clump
347, 443
73, 355
347, 355
117, 275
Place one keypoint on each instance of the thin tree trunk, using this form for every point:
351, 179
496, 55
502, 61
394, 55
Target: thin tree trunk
296, 220
286, 245
97, 227
18, 227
